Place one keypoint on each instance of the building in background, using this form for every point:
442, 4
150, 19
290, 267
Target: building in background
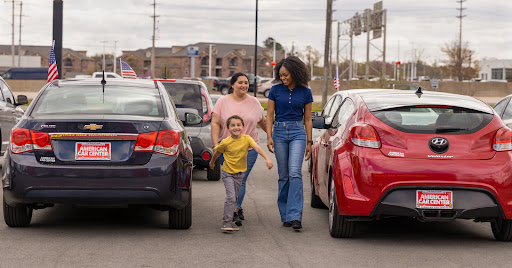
73, 62
496, 70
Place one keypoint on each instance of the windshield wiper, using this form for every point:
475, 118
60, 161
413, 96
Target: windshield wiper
449, 129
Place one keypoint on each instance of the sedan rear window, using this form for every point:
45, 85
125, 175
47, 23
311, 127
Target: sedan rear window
91, 99
434, 119
185, 95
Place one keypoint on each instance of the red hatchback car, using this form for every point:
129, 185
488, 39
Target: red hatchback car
428, 155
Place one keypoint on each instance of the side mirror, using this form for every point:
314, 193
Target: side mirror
318, 121
192, 119
22, 99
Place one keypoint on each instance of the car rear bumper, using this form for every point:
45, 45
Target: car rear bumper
468, 203
387, 186
164, 181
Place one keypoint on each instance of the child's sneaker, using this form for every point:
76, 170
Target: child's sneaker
227, 227
234, 227
241, 214
236, 219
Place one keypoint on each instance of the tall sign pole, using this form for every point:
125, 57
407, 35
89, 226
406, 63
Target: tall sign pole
57, 34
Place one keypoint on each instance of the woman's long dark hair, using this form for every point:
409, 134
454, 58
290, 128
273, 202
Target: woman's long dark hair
297, 69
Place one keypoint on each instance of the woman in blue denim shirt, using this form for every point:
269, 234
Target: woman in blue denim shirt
290, 138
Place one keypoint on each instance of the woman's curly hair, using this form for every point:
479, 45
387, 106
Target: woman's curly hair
297, 69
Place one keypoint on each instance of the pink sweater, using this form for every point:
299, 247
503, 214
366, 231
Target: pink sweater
249, 109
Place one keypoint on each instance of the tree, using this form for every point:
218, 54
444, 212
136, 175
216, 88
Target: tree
457, 57
269, 43
312, 56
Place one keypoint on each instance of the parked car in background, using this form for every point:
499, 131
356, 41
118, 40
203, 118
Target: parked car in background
27, 73
265, 85
84, 143
504, 110
10, 113
107, 75
193, 97
215, 98
224, 84
432, 156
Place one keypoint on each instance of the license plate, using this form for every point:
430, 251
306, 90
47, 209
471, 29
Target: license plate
434, 199
92, 151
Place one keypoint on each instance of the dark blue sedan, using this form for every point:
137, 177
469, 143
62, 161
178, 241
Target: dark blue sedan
90, 142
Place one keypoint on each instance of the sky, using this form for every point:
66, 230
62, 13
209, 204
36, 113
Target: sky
418, 28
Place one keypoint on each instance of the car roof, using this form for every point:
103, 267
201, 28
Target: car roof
111, 81
186, 81
381, 99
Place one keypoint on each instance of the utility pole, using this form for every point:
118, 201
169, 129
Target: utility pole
103, 63
459, 49
12, 46
328, 23
274, 59
19, 43
153, 47
367, 14
114, 56
338, 46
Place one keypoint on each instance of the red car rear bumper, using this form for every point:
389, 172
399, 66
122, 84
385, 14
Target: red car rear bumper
374, 176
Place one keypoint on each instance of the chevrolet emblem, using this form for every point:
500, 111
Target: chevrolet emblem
93, 127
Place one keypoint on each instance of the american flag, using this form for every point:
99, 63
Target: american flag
53, 72
127, 71
336, 80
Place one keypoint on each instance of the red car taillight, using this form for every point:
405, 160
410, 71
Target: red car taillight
145, 142
163, 142
365, 136
503, 140
24, 140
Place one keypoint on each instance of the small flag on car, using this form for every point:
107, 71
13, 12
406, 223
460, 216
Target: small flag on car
336, 80
127, 71
53, 72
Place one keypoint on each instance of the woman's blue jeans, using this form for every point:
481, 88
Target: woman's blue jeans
252, 155
289, 148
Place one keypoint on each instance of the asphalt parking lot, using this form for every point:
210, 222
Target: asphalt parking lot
138, 237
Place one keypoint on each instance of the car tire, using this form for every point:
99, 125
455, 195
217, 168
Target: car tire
316, 202
181, 218
502, 229
266, 93
224, 90
214, 174
339, 225
17, 216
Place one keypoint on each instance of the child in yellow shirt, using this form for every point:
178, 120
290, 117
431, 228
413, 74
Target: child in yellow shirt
234, 148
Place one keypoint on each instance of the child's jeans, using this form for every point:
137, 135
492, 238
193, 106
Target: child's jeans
232, 183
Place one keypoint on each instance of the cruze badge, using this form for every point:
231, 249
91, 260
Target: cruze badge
438, 145
93, 127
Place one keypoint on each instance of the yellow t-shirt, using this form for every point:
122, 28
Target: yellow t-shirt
235, 153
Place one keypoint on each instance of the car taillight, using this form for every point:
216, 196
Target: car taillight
365, 136
41, 140
167, 142
145, 142
206, 155
20, 140
214, 83
24, 140
503, 140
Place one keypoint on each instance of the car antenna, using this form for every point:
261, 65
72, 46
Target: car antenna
165, 74
419, 92
103, 82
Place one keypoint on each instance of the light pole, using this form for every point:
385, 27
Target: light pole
256, 51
